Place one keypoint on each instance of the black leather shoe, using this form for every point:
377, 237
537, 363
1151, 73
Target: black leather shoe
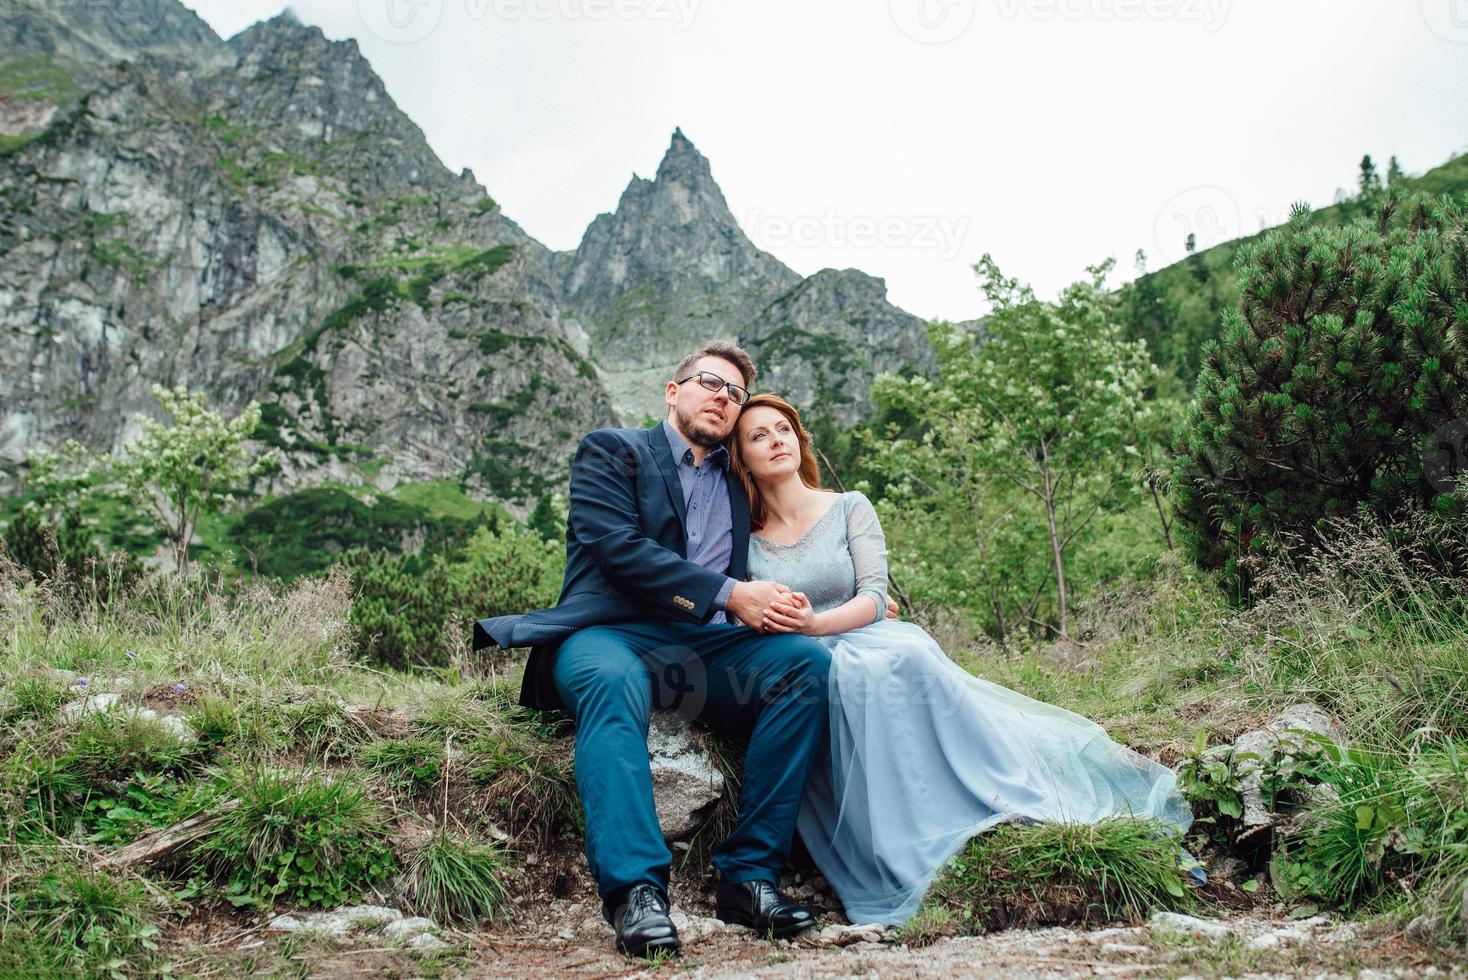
762, 907
642, 924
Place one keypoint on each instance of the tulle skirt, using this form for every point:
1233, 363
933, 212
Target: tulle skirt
923, 755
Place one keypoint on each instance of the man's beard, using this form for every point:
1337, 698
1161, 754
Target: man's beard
697, 430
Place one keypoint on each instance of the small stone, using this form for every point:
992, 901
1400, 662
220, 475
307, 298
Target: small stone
567, 933
1122, 949
1276, 938
362, 914
407, 928
1229, 868
1423, 929
426, 941
1175, 923
327, 924
178, 728
94, 704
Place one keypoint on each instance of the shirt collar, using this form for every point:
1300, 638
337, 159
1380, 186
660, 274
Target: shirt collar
682, 450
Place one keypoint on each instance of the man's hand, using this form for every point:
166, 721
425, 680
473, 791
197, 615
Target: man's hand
893, 612
751, 600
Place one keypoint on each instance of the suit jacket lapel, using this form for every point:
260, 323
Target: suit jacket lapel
662, 454
739, 513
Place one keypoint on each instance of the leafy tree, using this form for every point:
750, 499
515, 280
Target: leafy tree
1368, 184
549, 517
193, 466
1336, 381
1031, 440
48, 536
406, 617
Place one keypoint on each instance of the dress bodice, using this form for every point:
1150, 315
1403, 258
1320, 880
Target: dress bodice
841, 555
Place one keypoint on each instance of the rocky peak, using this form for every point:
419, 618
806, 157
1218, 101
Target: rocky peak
668, 268
306, 94
671, 267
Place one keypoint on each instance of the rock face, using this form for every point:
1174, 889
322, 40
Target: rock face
276, 229
685, 782
257, 219
1283, 736
671, 267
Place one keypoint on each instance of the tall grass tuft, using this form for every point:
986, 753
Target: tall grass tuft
298, 836
167, 626
1060, 873
453, 878
410, 764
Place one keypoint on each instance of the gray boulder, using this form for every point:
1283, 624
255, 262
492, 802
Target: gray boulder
1285, 735
685, 782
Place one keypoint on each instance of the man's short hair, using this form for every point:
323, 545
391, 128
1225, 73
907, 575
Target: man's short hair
732, 353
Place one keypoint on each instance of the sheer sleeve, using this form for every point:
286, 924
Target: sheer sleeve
868, 550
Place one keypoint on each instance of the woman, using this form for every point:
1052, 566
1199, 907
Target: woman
923, 755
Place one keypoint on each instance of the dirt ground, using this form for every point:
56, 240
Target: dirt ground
557, 931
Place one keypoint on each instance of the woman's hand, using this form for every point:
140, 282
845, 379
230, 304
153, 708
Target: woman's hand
792, 615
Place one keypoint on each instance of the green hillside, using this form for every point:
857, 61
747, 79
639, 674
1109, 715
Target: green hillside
1177, 308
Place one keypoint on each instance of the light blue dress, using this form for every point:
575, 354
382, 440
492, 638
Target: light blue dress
923, 755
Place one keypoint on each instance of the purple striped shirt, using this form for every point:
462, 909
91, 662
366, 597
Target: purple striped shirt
710, 527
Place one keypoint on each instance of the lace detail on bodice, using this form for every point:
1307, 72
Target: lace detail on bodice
841, 555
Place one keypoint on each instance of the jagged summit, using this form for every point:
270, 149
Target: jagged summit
671, 266
262, 221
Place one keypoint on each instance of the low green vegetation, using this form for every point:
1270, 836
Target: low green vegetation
456, 879
294, 837
1052, 874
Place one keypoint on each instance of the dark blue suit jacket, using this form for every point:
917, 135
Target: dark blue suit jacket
625, 553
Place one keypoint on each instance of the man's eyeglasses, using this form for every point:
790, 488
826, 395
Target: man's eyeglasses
712, 382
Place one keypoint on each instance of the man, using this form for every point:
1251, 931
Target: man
656, 546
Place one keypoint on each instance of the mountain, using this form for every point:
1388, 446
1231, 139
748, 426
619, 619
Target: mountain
671, 265
256, 218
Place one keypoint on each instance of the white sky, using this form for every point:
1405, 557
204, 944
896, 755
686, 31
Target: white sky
908, 137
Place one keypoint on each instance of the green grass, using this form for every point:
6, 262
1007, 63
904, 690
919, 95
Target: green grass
36, 77
446, 498
1056, 873
295, 836
59, 917
413, 765
456, 879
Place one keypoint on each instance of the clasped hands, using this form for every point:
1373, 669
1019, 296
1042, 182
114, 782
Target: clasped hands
770, 607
